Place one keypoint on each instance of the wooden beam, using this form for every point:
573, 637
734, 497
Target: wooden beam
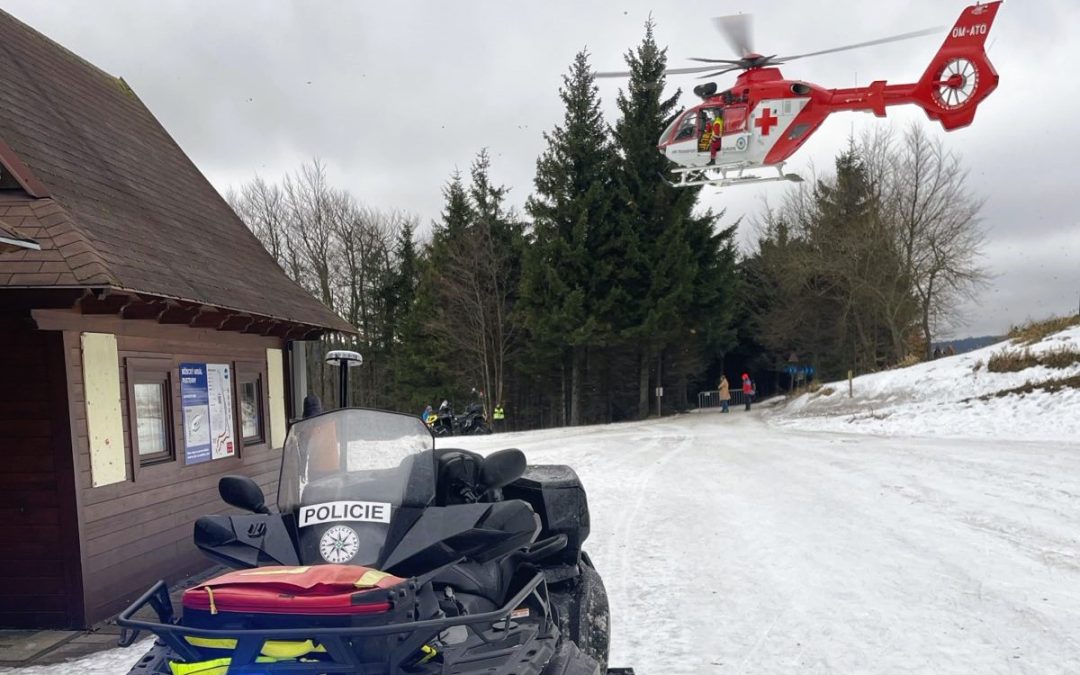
110, 303
237, 322
141, 309
281, 329
179, 313
259, 326
209, 318
296, 332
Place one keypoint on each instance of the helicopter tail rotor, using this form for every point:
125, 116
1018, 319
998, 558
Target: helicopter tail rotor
960, 75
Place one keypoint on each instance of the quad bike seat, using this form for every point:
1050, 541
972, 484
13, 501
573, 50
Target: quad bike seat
465, 477
457, 476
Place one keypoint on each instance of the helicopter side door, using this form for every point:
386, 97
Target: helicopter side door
706, 119
735, 139
736, 135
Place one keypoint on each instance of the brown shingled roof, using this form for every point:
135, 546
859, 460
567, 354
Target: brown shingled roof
126, 207
13, 239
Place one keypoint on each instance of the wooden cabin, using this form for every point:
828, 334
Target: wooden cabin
145, 342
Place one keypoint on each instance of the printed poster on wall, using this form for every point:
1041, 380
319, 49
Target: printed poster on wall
206, 397
219, 389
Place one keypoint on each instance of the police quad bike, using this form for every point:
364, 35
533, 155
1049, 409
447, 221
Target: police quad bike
471, 421
388, 556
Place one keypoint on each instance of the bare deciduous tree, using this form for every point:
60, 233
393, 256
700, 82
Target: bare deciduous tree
341, 252
856, 270
474, 293
938, 227
313, 205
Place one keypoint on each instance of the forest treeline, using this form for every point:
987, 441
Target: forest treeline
611, 283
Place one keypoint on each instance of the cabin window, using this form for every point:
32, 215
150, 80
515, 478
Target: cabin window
150, 419
686, 127
666, 136
251, 414
250, 396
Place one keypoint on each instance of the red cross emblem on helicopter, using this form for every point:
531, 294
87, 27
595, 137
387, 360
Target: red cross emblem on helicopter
766, 121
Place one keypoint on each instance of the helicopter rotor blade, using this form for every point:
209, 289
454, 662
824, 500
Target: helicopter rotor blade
669, 71
737, 30
719, 72
871, 43
698, 69
733, 62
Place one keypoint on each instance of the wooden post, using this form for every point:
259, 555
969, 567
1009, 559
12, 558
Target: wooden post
850, 386
659, 382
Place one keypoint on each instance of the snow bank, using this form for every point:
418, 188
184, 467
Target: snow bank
111, 662
941, 398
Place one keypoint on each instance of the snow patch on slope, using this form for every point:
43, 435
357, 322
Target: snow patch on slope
941, 398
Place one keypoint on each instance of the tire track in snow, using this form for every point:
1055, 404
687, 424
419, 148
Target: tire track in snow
642, 553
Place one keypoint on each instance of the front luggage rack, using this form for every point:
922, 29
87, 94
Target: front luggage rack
342, 657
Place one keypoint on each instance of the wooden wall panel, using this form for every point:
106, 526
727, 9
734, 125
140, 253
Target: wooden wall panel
138, 531
40, 583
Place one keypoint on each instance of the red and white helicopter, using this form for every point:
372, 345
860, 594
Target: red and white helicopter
766, 118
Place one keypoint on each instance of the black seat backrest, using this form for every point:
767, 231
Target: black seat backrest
457, 472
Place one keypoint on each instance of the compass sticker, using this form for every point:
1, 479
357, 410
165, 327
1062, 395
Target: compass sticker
339, 544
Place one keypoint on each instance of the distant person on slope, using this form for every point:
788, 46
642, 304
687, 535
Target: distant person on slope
725, 393
747, 390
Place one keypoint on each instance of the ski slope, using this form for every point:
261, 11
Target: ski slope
730, 545
943, 398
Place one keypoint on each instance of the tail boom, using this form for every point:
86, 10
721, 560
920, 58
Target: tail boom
958, 79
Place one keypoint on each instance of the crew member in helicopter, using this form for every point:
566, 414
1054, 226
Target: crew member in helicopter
716, 127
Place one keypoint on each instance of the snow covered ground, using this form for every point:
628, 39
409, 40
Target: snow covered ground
941, 398
731, 545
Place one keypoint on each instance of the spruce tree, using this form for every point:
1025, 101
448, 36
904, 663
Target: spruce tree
426, 365
651, 222
566, 276
678, 273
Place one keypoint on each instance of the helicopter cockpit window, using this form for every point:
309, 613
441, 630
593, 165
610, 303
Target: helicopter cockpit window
669, 130
686, 127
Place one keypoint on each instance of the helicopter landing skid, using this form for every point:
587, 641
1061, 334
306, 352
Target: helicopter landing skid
727, 176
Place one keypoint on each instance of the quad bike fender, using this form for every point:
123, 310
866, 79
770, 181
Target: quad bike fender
569, 660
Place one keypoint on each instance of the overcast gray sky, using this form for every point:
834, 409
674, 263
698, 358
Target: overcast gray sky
394, 96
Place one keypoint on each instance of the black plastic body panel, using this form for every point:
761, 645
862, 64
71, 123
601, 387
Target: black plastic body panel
556, 495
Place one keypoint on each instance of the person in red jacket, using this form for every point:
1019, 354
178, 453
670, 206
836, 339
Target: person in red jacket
747, 390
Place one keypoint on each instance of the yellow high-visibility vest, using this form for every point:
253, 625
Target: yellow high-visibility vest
214, 667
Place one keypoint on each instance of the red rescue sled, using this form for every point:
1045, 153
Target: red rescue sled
323, 595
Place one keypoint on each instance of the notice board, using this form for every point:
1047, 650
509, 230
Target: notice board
206, 394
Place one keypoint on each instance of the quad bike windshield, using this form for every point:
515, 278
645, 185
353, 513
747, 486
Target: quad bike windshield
346, 475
